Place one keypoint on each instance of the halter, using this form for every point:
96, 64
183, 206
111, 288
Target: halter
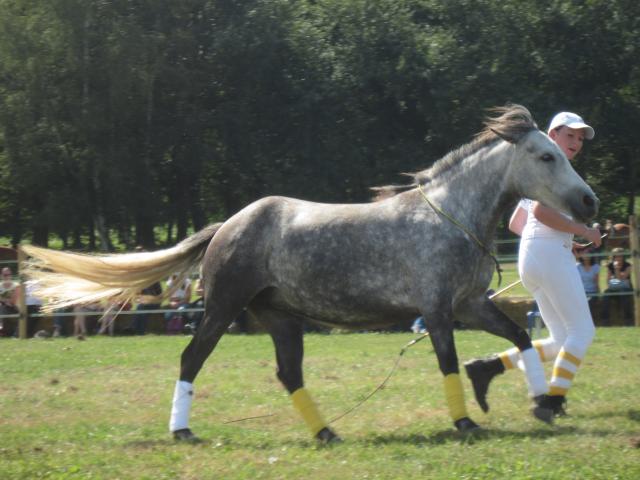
465, 230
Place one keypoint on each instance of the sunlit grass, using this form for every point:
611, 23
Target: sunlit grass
99, 409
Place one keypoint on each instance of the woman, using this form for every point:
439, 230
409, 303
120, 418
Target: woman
179, 300
618, 281
547, 269
589, 271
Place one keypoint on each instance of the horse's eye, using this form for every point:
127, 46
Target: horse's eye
547, 157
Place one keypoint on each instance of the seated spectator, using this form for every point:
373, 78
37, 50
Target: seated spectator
8, 301
33, 304
179, 300
149, 299
589, 270
618, 284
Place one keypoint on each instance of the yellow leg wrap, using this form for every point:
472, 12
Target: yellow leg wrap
506, 361
455, 396
553, 390
308, 410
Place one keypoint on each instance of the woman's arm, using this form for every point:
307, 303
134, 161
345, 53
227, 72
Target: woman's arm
518, 220
554, 219
187, 293
15, 296
624, 274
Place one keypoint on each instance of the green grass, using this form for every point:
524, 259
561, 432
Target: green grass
99, 409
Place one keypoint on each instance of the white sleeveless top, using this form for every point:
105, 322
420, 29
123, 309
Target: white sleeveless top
534, 228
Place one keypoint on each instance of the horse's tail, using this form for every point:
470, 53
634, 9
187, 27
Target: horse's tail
64, 279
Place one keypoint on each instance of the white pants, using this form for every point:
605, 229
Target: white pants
548, 270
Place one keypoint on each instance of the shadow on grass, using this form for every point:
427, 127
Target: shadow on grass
631, 414
230, 441
225, 442
452, 436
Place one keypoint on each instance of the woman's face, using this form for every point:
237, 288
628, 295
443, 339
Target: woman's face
569, 140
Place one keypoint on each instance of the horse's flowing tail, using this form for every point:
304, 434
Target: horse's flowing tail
64, 279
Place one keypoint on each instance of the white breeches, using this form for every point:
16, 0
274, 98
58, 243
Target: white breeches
548, 270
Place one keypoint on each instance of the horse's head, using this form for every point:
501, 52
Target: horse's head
543, 173
539, 170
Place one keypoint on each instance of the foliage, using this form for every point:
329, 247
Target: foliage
118, 117
99, 409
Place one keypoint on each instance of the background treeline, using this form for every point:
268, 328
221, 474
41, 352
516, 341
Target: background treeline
128, 122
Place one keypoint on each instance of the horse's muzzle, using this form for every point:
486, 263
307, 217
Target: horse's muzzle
587, 207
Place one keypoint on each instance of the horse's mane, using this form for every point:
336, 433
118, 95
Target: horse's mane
510, 121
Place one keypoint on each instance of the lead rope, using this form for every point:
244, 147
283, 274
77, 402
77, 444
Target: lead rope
359, 404
384, 382
465, 230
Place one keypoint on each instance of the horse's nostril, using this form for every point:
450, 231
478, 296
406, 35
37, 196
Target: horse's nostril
588, 201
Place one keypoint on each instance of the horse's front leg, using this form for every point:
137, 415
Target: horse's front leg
440, 328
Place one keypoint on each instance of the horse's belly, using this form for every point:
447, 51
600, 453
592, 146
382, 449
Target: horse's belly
349, 311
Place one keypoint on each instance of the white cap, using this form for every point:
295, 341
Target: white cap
571, 120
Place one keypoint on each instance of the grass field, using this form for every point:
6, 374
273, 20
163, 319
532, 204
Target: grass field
99, 409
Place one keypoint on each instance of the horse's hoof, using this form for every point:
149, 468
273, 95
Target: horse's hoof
185, 435
481, 372
466, 425
326, 436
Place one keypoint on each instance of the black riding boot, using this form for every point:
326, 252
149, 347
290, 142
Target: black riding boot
553, 403
481, 372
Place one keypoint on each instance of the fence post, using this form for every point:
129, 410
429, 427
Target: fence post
22, 300
635, 255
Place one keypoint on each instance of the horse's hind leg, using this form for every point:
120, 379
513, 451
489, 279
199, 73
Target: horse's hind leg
440, 328
286, 330
213, 325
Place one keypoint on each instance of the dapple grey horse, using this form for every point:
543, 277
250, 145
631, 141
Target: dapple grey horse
424, 250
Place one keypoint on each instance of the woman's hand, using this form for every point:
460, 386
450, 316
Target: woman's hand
592, 234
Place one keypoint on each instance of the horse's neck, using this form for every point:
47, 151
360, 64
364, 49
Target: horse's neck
478, 193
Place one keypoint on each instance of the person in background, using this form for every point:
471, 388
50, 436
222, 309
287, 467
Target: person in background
33, 304
418, 326
150, 298
618, 282
179, 300
589, 270
80, 322
59, 321
547, 269
196, 317
8, 301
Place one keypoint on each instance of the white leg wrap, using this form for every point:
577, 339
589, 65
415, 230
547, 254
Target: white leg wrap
182, 398
534, 370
